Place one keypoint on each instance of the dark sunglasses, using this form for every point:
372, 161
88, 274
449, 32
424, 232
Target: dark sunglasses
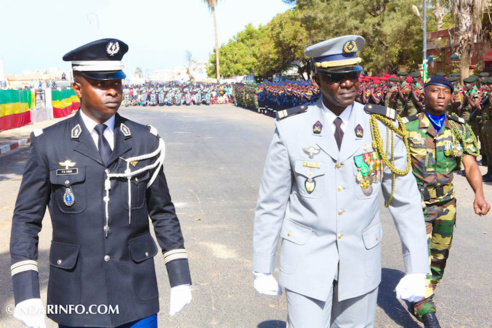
337, 77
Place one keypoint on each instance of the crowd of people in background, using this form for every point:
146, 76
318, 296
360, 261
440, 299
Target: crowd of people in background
176, 94
403, 92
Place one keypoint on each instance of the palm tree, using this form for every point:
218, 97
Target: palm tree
211, 5
468, 14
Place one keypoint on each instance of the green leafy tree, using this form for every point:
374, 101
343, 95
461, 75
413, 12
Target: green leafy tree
240, 56
266, 50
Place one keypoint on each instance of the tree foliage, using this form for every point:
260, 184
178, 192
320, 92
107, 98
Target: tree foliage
266, 50
393, 33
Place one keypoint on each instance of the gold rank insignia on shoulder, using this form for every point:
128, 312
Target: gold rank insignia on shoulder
312, 165
134, 163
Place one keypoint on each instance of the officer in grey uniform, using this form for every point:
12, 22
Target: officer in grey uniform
320, 196
101, 176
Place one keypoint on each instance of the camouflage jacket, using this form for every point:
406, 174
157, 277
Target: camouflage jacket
436, 156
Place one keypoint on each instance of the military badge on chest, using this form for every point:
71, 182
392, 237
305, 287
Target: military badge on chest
68, 169
369, 171
453, 149
310, 183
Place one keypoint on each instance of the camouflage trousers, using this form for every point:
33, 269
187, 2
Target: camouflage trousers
439, 221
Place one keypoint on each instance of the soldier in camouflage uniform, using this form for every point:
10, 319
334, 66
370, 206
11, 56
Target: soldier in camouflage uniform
457, 97
415, 101
439, 143
403, 94
486, 130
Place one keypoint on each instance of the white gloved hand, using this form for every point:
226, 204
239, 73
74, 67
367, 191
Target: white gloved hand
180, 297
266, 284
31, 313
411, 287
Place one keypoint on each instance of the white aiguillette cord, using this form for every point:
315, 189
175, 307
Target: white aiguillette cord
160, 152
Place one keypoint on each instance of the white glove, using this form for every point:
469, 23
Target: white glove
411, 287
266, 284
31, 313
180, 297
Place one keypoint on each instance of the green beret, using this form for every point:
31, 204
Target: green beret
402, 73
453, 79
393, 79
415, 74
471, 79
484, 74
440, 74
456, 74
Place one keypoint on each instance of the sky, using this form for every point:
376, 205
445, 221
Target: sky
37, 33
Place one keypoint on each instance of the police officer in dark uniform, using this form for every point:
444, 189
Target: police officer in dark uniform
101, 176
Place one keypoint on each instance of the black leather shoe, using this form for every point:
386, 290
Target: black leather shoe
430, 321
487, 178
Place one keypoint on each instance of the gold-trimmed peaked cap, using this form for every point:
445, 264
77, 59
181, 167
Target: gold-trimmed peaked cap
337, 55
99, 60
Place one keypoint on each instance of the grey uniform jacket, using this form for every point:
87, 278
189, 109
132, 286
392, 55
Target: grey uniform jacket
91, 264
333, 232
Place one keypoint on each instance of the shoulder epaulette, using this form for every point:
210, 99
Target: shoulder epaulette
410, 118
37, 132
381, 110
456, 118
281, 114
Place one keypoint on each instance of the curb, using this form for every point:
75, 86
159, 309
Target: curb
9, 147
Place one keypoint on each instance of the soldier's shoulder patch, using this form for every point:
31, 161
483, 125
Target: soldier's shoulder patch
37, 132
153, 130
381, 110
281, 114
456, 118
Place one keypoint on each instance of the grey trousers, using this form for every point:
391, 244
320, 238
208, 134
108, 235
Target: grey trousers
306, 312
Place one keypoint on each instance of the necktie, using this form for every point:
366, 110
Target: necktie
338, 131
103, 145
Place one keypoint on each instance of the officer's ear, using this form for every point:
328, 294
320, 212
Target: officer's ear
77, 85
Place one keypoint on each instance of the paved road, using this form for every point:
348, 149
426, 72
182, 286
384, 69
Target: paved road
214, 161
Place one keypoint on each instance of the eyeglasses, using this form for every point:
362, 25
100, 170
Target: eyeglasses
337, 77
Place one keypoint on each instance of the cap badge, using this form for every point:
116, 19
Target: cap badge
349, 47
113, 48
317, 127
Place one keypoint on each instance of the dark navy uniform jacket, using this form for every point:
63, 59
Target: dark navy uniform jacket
89, 265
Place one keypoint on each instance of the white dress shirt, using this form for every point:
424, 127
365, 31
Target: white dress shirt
345, 116
108, 132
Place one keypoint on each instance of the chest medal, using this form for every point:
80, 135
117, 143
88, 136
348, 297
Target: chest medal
369, 171
68, 197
